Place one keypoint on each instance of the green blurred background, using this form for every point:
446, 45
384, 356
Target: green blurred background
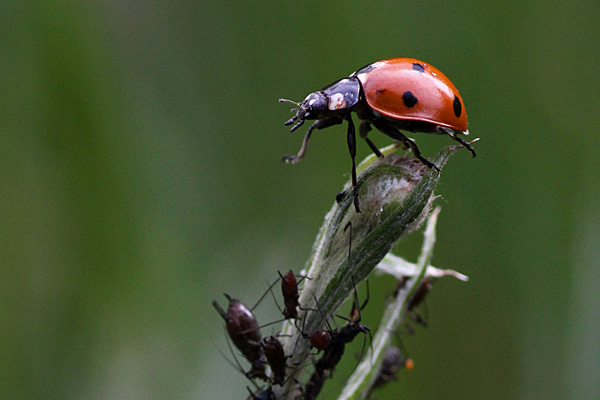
141, 176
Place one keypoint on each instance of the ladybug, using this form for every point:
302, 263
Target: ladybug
394, 95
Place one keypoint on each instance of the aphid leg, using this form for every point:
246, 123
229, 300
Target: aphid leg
367, 331
318, 124
237, 365
408, 329
355, 316
364, 129
418, 318
302, 334
303, 277
364, 304
275, 300
270, 289
324, 317
352, 147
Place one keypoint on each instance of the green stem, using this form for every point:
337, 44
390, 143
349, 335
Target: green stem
362, 380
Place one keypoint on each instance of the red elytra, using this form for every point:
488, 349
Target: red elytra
386, 85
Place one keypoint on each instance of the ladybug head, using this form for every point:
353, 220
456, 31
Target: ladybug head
311, 108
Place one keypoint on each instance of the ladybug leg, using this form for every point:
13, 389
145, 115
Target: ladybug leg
396, 134
318, 124
352, 148
452, 134
364, 129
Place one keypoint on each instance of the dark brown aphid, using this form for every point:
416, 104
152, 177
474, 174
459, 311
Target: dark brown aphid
417, 299
332, 354
276, 358
244, 331
420, 294
289, 290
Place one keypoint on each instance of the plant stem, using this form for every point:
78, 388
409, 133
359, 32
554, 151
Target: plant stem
362, 380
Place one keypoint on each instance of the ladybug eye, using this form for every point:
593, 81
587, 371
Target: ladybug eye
316, 102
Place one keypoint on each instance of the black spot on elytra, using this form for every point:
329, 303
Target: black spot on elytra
418, 67
409, 99
457, 106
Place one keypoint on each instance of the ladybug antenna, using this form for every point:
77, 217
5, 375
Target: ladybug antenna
289, 101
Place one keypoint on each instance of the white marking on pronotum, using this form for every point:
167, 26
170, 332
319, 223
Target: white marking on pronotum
336, 102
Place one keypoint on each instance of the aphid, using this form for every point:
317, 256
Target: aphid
420, 294
394, 95
417, 299
244, 331
289, 290
276, 358
333, 352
